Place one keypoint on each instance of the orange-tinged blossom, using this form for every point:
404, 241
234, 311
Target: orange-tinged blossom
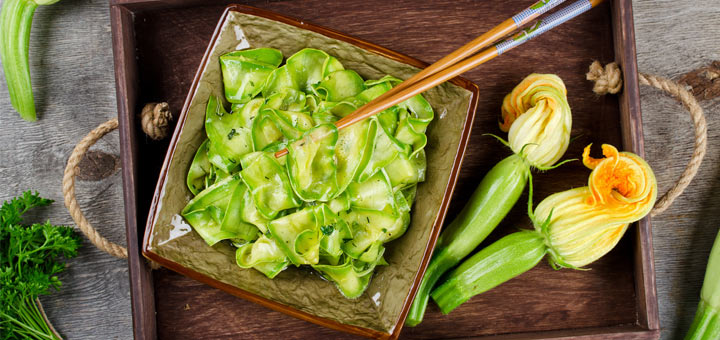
588, 222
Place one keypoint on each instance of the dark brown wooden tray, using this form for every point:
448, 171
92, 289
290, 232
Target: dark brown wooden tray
158, 46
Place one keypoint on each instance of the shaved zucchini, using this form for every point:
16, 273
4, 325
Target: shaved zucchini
336, 198
311, 164
298, 235
245, 72
206, 211
269, 185
263, 255
199, 169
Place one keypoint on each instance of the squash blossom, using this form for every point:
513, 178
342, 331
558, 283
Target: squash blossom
575, 227
583, 224
537, 117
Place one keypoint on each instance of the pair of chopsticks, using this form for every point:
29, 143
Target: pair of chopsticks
461, 61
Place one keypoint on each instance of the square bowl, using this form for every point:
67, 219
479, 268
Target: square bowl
380, 312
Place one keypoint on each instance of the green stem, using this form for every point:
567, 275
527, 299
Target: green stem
440, 263
492, 200
28, 330
28, 320
15, 22
501, 261
706, 324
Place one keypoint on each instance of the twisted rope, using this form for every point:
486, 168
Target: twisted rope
155, 121
69, 190
609, 80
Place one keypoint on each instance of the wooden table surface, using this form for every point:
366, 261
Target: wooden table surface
71, 62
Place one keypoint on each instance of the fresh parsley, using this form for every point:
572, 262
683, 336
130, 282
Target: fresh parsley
30, 259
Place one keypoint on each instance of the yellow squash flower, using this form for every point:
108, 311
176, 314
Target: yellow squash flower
583, 224
537, 117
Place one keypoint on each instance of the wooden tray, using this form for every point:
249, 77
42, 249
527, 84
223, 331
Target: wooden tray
157, 49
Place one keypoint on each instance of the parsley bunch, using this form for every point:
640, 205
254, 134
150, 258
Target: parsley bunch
29, 264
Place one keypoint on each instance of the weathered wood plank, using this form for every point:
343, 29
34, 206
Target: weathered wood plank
673, 38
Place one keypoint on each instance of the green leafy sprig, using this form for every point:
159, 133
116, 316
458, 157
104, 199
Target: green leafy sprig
30, 260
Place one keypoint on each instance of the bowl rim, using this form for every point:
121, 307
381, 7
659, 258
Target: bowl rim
274, 305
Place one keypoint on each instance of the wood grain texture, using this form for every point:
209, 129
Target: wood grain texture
70, 61
141, 290
674, 38
603, 297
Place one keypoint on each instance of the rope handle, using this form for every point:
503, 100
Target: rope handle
155, 121
609, 80
69, 191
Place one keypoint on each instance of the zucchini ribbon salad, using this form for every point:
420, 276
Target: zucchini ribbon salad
338, 195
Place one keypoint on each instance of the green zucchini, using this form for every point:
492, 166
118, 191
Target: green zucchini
501, 261
206, 211
233, 223
492, 200
298, 235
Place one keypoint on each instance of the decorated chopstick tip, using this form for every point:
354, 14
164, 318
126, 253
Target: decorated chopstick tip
583, 224
538, 119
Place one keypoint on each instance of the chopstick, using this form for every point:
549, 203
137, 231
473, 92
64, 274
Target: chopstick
454, 63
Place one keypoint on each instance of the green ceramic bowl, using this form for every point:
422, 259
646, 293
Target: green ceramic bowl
381, 310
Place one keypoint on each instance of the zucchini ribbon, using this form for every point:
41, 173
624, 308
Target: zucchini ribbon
337, 197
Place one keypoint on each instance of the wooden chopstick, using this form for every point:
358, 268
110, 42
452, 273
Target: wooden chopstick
487, 38
454, 64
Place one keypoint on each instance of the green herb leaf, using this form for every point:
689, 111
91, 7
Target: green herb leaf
29, 266
327, 229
